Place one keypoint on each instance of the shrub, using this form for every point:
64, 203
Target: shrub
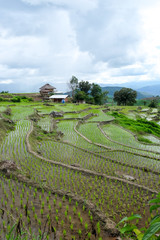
16, 99
153, 103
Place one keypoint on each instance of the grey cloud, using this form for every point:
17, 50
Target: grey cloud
129, 72
108, 33
51, 40
82, 6
120, 61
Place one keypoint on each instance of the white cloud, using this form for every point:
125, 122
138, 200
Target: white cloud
8, 81
100, 41
16, 74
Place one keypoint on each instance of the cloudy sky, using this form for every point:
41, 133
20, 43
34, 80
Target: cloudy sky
101, 41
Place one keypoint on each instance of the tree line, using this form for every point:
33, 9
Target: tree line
93, 94
85, 91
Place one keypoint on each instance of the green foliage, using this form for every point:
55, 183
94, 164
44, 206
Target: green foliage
90, 93
30, 99
97, 94
12, 236
153, 103
21, 99
126, 96
26, 99
128, 227
154, 226
90, 99
4, 92
73, 84
80, 95
16, 99
84, 86
139, 126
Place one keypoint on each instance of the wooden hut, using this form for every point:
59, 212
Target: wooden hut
46, 90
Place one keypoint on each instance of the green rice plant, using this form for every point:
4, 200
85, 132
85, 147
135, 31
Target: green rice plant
62, 223
54, 202
71, 227
79, 232
41, 211
81, 220
70, 219
66, 213
98, 228
57, 219
63, 199
86, 226
64, 232
74, 210
89, 235
60, 205
67, 208
35, 217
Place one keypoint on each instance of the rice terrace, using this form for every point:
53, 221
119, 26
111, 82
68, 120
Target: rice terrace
75, 176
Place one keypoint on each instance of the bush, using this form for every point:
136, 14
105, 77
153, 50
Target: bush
30, 99
16, 99
139, 126
153, 104
131, 230
23, 97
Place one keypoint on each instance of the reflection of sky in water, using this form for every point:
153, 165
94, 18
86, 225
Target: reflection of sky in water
154, 110
152, 138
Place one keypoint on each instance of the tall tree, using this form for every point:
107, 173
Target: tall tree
98, 95
79, 96
73, 84
126, 96
84, 86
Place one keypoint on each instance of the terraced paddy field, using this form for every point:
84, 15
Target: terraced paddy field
73, 177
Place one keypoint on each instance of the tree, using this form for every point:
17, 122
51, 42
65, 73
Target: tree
98, 95
80, 95
153, 103
73, 84
84, 86
126, 96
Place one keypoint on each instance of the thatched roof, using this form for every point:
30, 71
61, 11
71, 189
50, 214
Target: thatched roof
47, 87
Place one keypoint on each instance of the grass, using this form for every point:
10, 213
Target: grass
140, 126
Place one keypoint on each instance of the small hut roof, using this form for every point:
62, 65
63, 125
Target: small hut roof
47, 86
58, 96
